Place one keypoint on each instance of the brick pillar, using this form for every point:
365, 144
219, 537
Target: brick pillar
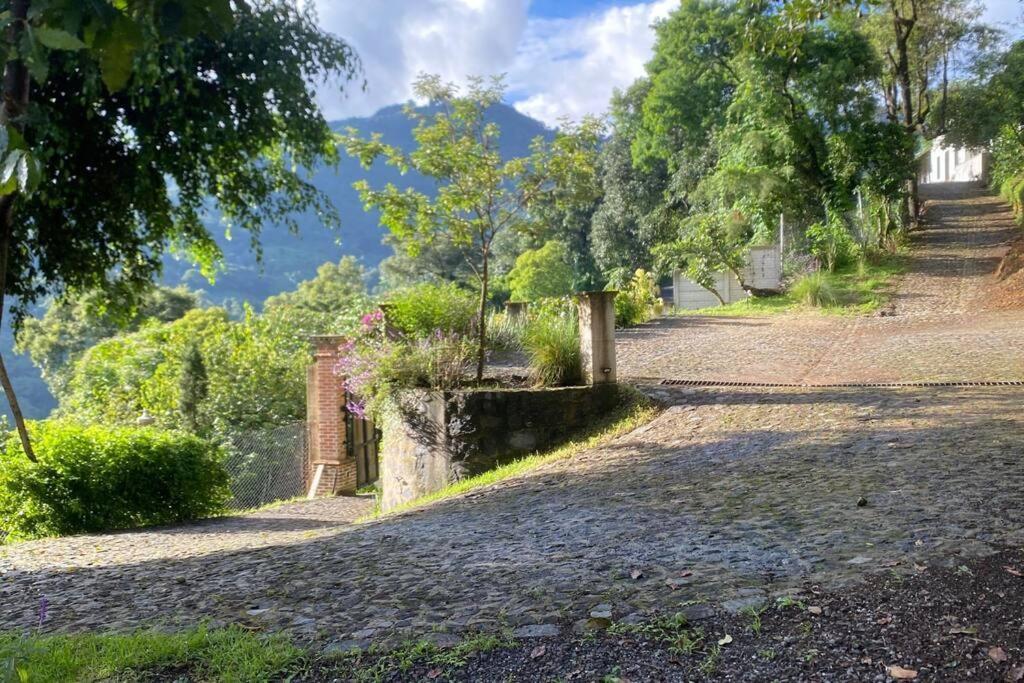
597, 336
332, 471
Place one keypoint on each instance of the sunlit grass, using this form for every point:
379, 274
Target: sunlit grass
859, 288
201, 654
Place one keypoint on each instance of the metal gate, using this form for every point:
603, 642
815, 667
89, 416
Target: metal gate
361, 439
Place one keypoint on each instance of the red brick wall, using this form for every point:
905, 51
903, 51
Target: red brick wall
325, 415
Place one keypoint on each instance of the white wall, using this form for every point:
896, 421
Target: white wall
945, 164
688, 295
763, 271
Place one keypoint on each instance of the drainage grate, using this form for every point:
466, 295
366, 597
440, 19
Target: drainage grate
839, 385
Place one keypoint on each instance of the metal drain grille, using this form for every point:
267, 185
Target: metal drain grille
840, 385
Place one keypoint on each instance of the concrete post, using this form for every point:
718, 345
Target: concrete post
517, 310
597, 336
331, 471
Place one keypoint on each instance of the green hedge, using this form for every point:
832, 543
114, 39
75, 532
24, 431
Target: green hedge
96, 478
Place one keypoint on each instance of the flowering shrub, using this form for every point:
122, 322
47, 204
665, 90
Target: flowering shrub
375, 364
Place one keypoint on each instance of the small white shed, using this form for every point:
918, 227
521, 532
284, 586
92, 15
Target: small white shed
942, 164
688, 295
763, 272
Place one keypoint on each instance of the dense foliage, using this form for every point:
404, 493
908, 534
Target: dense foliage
637, 300
337, 289
254, 373
430, 309
222, 111
99, 478
480, 196
69, 327
989, 110
541, 273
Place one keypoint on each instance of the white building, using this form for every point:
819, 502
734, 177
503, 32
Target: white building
942, 164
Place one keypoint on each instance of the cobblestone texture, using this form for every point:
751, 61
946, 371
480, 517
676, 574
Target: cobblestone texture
941, 330
729, 495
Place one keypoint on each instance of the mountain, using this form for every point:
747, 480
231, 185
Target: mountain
289, 258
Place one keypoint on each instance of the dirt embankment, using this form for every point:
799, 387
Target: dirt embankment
1008, 286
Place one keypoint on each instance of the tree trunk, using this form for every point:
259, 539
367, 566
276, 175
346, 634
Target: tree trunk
481, 352
15, 101
902, 27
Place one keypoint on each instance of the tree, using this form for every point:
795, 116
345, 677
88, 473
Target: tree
255, 372
195, 386
916, 40
754, 111
69, 327
628, 224
541, 273
479, 196
141, 113
337, 288
710, 244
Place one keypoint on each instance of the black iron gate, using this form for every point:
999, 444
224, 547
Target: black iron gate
361, 440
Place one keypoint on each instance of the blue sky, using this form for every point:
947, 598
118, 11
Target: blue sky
561, 58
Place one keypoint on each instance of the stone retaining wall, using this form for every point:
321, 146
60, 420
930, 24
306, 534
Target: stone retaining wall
437, 438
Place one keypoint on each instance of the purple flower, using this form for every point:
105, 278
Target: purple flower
357, 409
44, 608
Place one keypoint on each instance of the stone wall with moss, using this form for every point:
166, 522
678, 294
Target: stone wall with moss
432, 439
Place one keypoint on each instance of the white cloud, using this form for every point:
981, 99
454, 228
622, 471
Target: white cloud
569, 67
397, 39
555, 67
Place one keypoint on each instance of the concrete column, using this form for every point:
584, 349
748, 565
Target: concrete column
331, 471
597, 336
517, 310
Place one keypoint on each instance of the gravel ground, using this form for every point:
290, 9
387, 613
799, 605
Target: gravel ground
922, 622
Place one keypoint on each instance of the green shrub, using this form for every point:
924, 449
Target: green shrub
636, 300
814, 289
543, 272
97, 478
504, 332
1012, 190
552, 344
425, 309
832, 244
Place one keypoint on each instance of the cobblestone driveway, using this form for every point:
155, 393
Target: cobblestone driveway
940, 330
729, 495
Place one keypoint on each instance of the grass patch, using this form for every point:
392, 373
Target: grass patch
673, 631
230, 654
860, 288
373, 665
636, 410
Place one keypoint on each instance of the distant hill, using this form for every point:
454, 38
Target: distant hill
290, 258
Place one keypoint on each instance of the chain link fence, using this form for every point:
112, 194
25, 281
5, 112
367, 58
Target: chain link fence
267, 465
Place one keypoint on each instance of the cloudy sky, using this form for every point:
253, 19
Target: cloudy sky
561, 57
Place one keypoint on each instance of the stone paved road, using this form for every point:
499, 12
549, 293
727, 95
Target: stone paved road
729, 495
941, 330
